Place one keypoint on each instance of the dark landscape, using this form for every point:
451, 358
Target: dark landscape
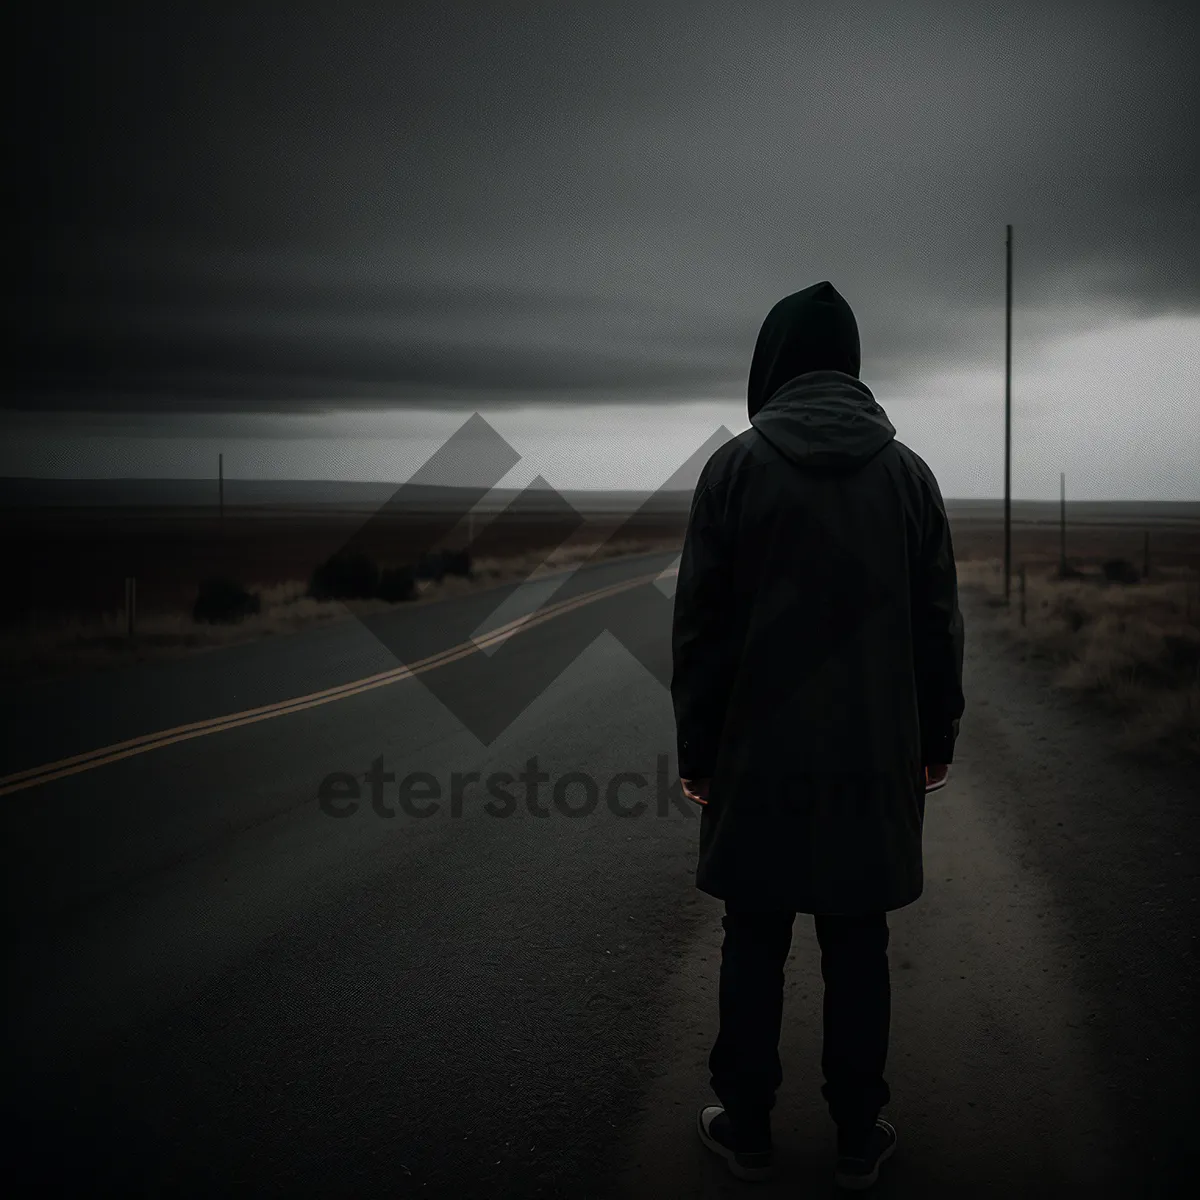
68, 546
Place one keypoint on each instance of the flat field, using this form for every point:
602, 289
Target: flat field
1133, 646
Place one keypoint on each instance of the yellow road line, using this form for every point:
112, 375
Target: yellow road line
89, 759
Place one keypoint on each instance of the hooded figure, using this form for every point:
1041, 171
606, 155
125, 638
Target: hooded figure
817, 640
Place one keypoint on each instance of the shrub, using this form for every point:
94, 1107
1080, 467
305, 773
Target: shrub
1120, 570
224, 601
437, 564
345, 576
397, 584
1069, 609
431, 566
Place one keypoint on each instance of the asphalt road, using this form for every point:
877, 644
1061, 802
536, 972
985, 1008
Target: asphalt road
218, 987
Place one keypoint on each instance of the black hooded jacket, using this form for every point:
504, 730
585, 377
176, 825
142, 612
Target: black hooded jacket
817, 639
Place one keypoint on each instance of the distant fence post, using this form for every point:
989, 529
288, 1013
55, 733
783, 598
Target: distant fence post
221, 485
130, 603
1146, 554
1022, 593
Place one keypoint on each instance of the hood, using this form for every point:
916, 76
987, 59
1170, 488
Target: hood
824, 418
804, 395
810, 330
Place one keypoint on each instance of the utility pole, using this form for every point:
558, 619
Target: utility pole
1008, 414
1062, 523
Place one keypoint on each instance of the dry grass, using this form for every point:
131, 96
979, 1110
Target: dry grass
70, 644
1133, 649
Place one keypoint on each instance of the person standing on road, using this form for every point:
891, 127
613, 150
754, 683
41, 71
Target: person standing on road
817, 651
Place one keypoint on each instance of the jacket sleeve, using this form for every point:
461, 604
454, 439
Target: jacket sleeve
703, 642
938, 631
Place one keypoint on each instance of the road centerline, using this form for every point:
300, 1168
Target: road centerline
88, 760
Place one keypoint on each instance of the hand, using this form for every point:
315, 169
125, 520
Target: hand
935, 774
696, 789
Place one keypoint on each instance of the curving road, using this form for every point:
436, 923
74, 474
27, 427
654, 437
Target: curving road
218, 987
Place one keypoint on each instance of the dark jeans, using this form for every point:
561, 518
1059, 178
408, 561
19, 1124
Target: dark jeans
745, 1064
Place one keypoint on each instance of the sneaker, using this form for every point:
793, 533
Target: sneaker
716, 1132
861, 1169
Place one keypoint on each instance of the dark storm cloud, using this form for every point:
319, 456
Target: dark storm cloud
266, 205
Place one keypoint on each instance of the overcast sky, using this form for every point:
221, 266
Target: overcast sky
318, 236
